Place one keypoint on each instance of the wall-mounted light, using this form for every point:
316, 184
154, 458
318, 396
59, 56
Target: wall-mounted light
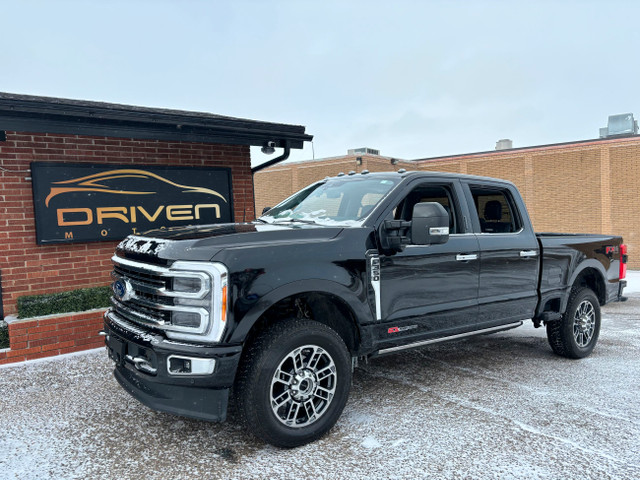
268, 148
394, 161
358, 160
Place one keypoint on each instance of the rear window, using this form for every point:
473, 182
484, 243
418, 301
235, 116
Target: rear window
496, 210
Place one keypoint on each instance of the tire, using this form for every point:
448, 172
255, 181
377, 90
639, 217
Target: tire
293, 383
576, 333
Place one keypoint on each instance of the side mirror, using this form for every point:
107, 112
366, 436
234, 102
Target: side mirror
265, 210
429, 224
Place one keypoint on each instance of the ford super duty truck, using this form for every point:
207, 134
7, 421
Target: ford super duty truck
272, 315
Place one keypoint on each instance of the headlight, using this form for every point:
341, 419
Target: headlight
186, 319
198, 284
187, 284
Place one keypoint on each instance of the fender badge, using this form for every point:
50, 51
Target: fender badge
401, 329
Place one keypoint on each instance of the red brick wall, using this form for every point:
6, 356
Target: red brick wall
53, 335
31, 269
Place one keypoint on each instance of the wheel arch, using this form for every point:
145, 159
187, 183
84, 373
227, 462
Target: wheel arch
589, 274
323, 301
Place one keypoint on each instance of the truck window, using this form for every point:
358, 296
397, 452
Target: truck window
429, 193
342, 200
496, 210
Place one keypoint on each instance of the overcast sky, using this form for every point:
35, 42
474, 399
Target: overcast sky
414, 79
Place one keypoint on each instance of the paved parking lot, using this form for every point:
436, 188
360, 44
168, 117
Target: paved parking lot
500, 406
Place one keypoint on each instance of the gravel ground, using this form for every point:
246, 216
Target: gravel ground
499, 406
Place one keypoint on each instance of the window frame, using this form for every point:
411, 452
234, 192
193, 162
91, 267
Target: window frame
496, 189
456, 197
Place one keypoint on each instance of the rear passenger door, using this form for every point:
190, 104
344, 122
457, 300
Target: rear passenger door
509, 254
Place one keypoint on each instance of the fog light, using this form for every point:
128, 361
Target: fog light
177, 365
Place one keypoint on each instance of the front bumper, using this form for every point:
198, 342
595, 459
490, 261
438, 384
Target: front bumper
140, 358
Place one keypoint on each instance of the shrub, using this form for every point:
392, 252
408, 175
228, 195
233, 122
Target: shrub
4, 335
63, 302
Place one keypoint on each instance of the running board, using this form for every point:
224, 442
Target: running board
451, 337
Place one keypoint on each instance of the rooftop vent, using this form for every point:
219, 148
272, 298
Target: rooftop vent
504, 144
363, 151
622, 124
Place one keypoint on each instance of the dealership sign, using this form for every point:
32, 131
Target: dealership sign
88, 202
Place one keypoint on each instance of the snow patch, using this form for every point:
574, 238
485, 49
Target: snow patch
56, 358
144, 245
633, 282
371, 442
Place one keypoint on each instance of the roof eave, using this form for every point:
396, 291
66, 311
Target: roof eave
50, 115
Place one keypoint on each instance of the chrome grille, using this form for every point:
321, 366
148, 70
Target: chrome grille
134, 311
150, 278
180, 299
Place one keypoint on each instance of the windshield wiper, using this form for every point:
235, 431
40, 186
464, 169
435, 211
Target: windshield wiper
261, 220
295, 220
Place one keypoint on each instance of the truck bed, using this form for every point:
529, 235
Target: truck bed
565, 255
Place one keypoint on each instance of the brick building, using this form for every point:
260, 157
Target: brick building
54, 132
590, 186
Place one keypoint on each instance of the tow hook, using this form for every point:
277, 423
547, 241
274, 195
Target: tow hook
142, 364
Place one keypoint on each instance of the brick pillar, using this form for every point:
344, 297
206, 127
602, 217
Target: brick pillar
605, 190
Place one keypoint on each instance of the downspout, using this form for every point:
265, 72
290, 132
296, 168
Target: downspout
284, 156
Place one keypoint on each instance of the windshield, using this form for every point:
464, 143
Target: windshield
343, 201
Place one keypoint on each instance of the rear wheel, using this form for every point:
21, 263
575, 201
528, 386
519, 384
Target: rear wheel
293, 382
576, 333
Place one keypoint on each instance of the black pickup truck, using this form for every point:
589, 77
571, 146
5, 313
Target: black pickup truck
275, 313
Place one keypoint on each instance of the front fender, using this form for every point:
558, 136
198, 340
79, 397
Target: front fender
353, 298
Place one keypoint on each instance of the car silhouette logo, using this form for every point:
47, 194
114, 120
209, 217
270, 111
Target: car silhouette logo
110, 182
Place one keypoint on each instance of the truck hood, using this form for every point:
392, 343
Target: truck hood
204, 242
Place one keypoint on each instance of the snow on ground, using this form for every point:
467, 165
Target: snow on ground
498, 406
633, 282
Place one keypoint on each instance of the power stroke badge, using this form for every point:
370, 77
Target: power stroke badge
374, 268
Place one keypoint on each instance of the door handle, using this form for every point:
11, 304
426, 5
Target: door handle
465, 258
528, 253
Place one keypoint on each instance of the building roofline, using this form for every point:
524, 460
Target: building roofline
30, 113
550, 146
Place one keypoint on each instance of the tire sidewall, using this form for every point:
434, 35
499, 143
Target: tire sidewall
573, 348
277, 432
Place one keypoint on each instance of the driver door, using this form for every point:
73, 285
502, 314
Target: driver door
430, 291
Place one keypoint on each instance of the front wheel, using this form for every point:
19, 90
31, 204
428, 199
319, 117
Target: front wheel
576, 333
293, 382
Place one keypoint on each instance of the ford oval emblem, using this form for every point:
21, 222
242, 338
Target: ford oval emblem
122, 289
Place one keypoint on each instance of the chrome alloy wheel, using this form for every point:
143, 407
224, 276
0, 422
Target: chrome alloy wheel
303, 386
584, 322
